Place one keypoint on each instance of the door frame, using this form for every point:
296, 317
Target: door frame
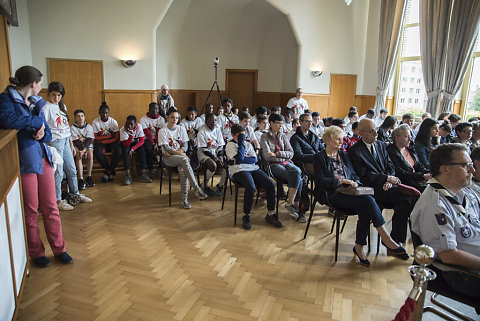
255, 78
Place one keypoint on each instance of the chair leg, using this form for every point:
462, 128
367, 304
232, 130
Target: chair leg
309, 219
258, 195
231, 191
161, 179
169, 189
236, 204
378, 243
278, 200
333, 223
337, 234
368, 239
344, 222
224, 192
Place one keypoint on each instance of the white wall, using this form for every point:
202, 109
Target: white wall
19, 38
105, 30
243, 34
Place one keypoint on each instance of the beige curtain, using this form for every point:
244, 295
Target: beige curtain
464, 26
434, 22
391, 24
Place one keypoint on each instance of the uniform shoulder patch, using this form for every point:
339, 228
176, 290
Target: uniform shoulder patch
441, 219
466, 232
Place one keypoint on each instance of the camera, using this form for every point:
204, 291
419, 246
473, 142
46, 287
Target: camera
215, 62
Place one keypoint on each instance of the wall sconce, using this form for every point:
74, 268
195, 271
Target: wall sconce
128, 63
317, 73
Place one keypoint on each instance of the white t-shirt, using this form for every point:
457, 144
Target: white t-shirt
173, 138
258, 134
286, 128
105, 128
231, 151
378, 121
152, 124
317, 130
57, 121
82, 133
210, 139
301, 104
250, 135
137, 133
192, 125
225, 123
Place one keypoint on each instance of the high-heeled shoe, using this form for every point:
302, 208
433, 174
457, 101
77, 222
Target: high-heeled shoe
399, 252
364, 262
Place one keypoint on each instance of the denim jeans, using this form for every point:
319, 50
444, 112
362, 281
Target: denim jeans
63, 148
290, 174
248, 180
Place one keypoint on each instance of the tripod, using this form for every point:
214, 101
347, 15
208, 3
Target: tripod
215, 83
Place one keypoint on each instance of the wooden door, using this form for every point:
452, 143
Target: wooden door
241, 87
5, 61
83, 82
342, 94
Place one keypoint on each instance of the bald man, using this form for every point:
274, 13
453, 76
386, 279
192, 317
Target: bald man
165, 100
375, 169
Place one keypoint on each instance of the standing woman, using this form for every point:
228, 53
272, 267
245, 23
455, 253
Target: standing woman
423, 142
21, 109
56, 115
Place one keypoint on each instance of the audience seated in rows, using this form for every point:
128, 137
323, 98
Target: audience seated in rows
423, 142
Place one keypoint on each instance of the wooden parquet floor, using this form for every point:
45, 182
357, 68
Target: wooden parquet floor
135, 258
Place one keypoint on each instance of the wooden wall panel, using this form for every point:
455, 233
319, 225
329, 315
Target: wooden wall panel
127, 102
389, 104
364, 103
183, 99
5, 59
457, 106
83, 82
318, 102
342, 94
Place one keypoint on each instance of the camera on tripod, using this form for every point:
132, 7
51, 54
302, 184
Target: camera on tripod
215, 62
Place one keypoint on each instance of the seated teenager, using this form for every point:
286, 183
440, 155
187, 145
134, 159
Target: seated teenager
107, 135
333, 168
444, 131
244, 120
447, 217
192, 125
210, 152
151, 124
173, 140
242, 160
475, 140
262, 126
82, 139
464, 134
380, 118
277, 151
287, 126
346, 120
317, 124
132, 139
226, 119
407, 166
350, 120
370, 114
262, 110
375, 169
305, 143
423, 142
385, 130
208, 110
356, 134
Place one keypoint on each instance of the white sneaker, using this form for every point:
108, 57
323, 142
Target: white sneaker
84, 199
64, 206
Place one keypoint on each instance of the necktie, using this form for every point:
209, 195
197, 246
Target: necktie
374, 153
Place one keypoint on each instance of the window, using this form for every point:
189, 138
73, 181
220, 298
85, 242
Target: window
409, 68
471, 92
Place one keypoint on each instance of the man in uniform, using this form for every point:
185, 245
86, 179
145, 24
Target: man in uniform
446, 217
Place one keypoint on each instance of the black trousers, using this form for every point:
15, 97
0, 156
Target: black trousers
402, 206
99, 152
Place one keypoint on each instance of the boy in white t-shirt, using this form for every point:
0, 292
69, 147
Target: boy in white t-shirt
192, 125
210, 153
173, 140
208, 109
227, 119
244, 120
317, 127
107, 135
82, 139
262, 126
132, 139
151, 124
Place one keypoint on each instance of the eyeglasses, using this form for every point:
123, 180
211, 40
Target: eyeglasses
307, 121
464, 165
278, 122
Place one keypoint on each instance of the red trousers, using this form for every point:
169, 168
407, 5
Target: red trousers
39, 194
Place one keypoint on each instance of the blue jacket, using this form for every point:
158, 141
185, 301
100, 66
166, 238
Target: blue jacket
305, 147
15, 114
423, 153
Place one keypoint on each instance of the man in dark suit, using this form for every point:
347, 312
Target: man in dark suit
375, 169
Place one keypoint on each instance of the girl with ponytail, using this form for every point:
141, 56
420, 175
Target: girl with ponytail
57, 119
21, 109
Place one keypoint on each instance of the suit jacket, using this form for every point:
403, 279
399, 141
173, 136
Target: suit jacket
323, 174
372, 172
403, 169
305, 148
423, 153
383, 136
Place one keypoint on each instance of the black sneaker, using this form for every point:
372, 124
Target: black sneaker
104, 178
246, 222
81, 184
64, 258
41, 262
89, 181
273, 219
301, 218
